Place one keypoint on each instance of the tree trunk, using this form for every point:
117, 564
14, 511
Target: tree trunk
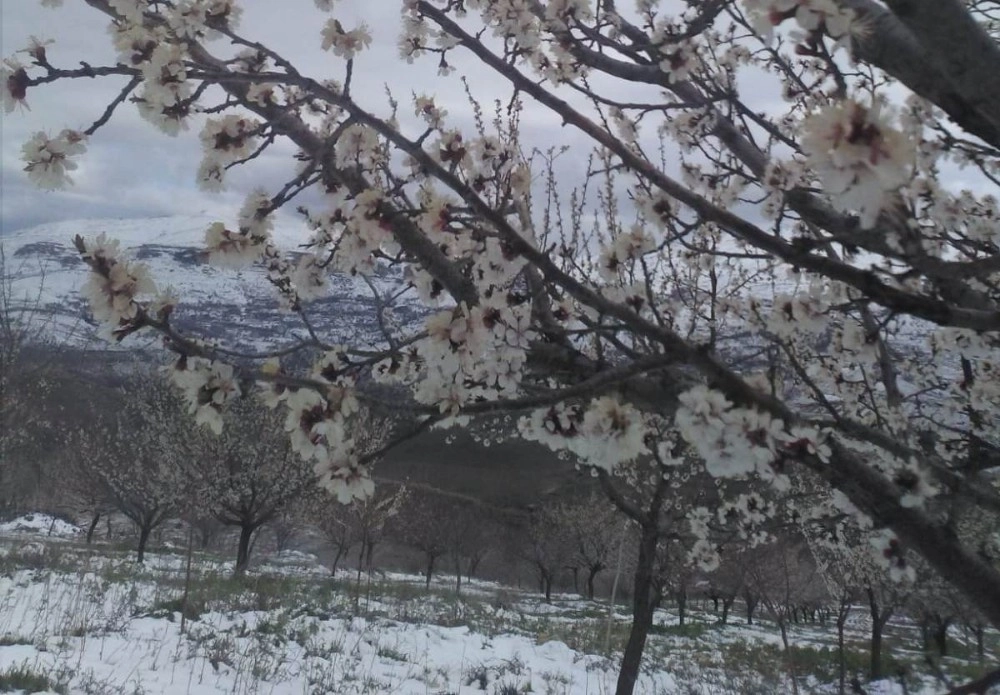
842, 614
751, 602
430, 571
681, 596
591, 576
92, 527
879, 619
144, 531
204, 538
473, 566
548, 588
643, 605
458, 575
941, 637
361, 564
875, 671
783, 629
336, 560
979, 630
243, 551
727, 603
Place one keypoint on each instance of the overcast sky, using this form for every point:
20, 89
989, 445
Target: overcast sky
132, 170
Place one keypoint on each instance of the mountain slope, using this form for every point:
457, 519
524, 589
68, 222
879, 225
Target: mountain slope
239, 307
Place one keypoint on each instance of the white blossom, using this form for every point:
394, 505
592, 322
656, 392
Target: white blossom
13, 81
889, 555
207, 386
857, 154
114, 282
48, 159
345, 44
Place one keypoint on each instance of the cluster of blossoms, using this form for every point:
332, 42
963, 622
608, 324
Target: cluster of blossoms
625, 249
471, 353
189, 19
813, 16
778, 178
358, 233
238, 249
679, 60
605, 433
748, 513
976, 217
225, 141
733, 442
113, 283
425, 108
48, 160
207, 386
889, 555
309, 278
687, 127
739, 442
703, 553
343, 43
229, 248
359, 144
166, 92
859, 157
799, 313
318, 426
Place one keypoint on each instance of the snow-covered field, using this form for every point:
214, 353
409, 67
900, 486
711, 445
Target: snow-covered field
75, 619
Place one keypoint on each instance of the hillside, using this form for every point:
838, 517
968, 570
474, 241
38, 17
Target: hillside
238, 306
240, 309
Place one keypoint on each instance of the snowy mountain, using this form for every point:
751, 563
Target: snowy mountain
239, 307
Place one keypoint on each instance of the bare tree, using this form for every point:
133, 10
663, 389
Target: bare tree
424, 523
249, 475
138, 455
594, 526
337, 524
29, 353
549, 547
372, 517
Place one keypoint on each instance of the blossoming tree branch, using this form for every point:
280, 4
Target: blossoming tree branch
797, 296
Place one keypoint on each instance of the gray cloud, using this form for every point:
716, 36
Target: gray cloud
132, 170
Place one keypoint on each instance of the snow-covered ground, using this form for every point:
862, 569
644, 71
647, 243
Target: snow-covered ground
88, 620
39, 524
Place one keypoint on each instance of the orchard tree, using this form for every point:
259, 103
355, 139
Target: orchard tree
423, 523
852, 576
335, 522
471, 538
595, 527
549, 547
248, 475
82, 488
138, 456
29, 372
805, 286
442, 525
